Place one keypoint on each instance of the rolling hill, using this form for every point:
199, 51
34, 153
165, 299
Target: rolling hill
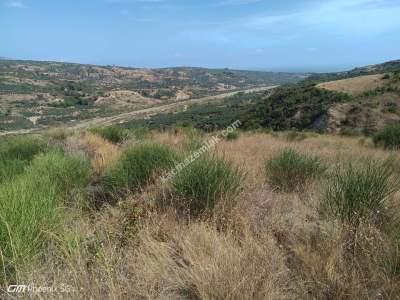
354, 102
34, 94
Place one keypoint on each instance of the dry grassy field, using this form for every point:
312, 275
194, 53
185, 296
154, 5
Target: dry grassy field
262, 243
355, 86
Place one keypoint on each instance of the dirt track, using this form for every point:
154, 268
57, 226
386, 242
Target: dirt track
137, 113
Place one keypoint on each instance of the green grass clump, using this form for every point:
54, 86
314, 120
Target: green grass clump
289, 171
295, 136
10, 168
16, 153
233, 135
192, 144
57, 134
205, 181
115, 134
21, 148
67, 172
30, 206
359, 192
388, 137
136, 167
142, 133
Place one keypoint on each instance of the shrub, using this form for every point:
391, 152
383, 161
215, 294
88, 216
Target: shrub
388, 137
233, 135
136, 167
205, 181
30, 206
290, 171
358, 192
114, 134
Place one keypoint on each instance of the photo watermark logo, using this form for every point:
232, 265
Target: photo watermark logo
212, 142
31, 288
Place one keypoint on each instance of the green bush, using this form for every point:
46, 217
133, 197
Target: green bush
114, 134
205, 181
358, 192
289, 171
30, 206
136, 167
388, 137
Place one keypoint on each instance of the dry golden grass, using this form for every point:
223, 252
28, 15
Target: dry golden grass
251, 150
270, 245
356, 85
101, 152
198, 262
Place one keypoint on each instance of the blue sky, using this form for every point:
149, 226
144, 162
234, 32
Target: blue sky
304, 35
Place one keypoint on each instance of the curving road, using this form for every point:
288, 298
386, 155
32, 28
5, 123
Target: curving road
121, 118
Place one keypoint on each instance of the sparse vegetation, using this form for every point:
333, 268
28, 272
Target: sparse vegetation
108, 228
208, 238
289, 171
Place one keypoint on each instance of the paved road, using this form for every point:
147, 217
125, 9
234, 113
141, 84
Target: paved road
124, 117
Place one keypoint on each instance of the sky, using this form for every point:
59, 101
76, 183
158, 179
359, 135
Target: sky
285, 35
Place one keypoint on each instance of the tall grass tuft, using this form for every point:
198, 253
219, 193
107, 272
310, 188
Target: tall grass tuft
16, 153
206, 181
21, 147
290, 171
67, 172
232, 136
115, 134
295, 136
388, 137
355, 193
142, 133
30, 206
136, 167
10, 168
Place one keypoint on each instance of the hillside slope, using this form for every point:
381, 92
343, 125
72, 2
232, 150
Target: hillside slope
33, 93
357, 104
390, 66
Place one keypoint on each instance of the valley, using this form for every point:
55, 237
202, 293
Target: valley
47, 94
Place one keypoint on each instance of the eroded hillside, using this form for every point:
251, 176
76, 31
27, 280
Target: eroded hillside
34, 94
